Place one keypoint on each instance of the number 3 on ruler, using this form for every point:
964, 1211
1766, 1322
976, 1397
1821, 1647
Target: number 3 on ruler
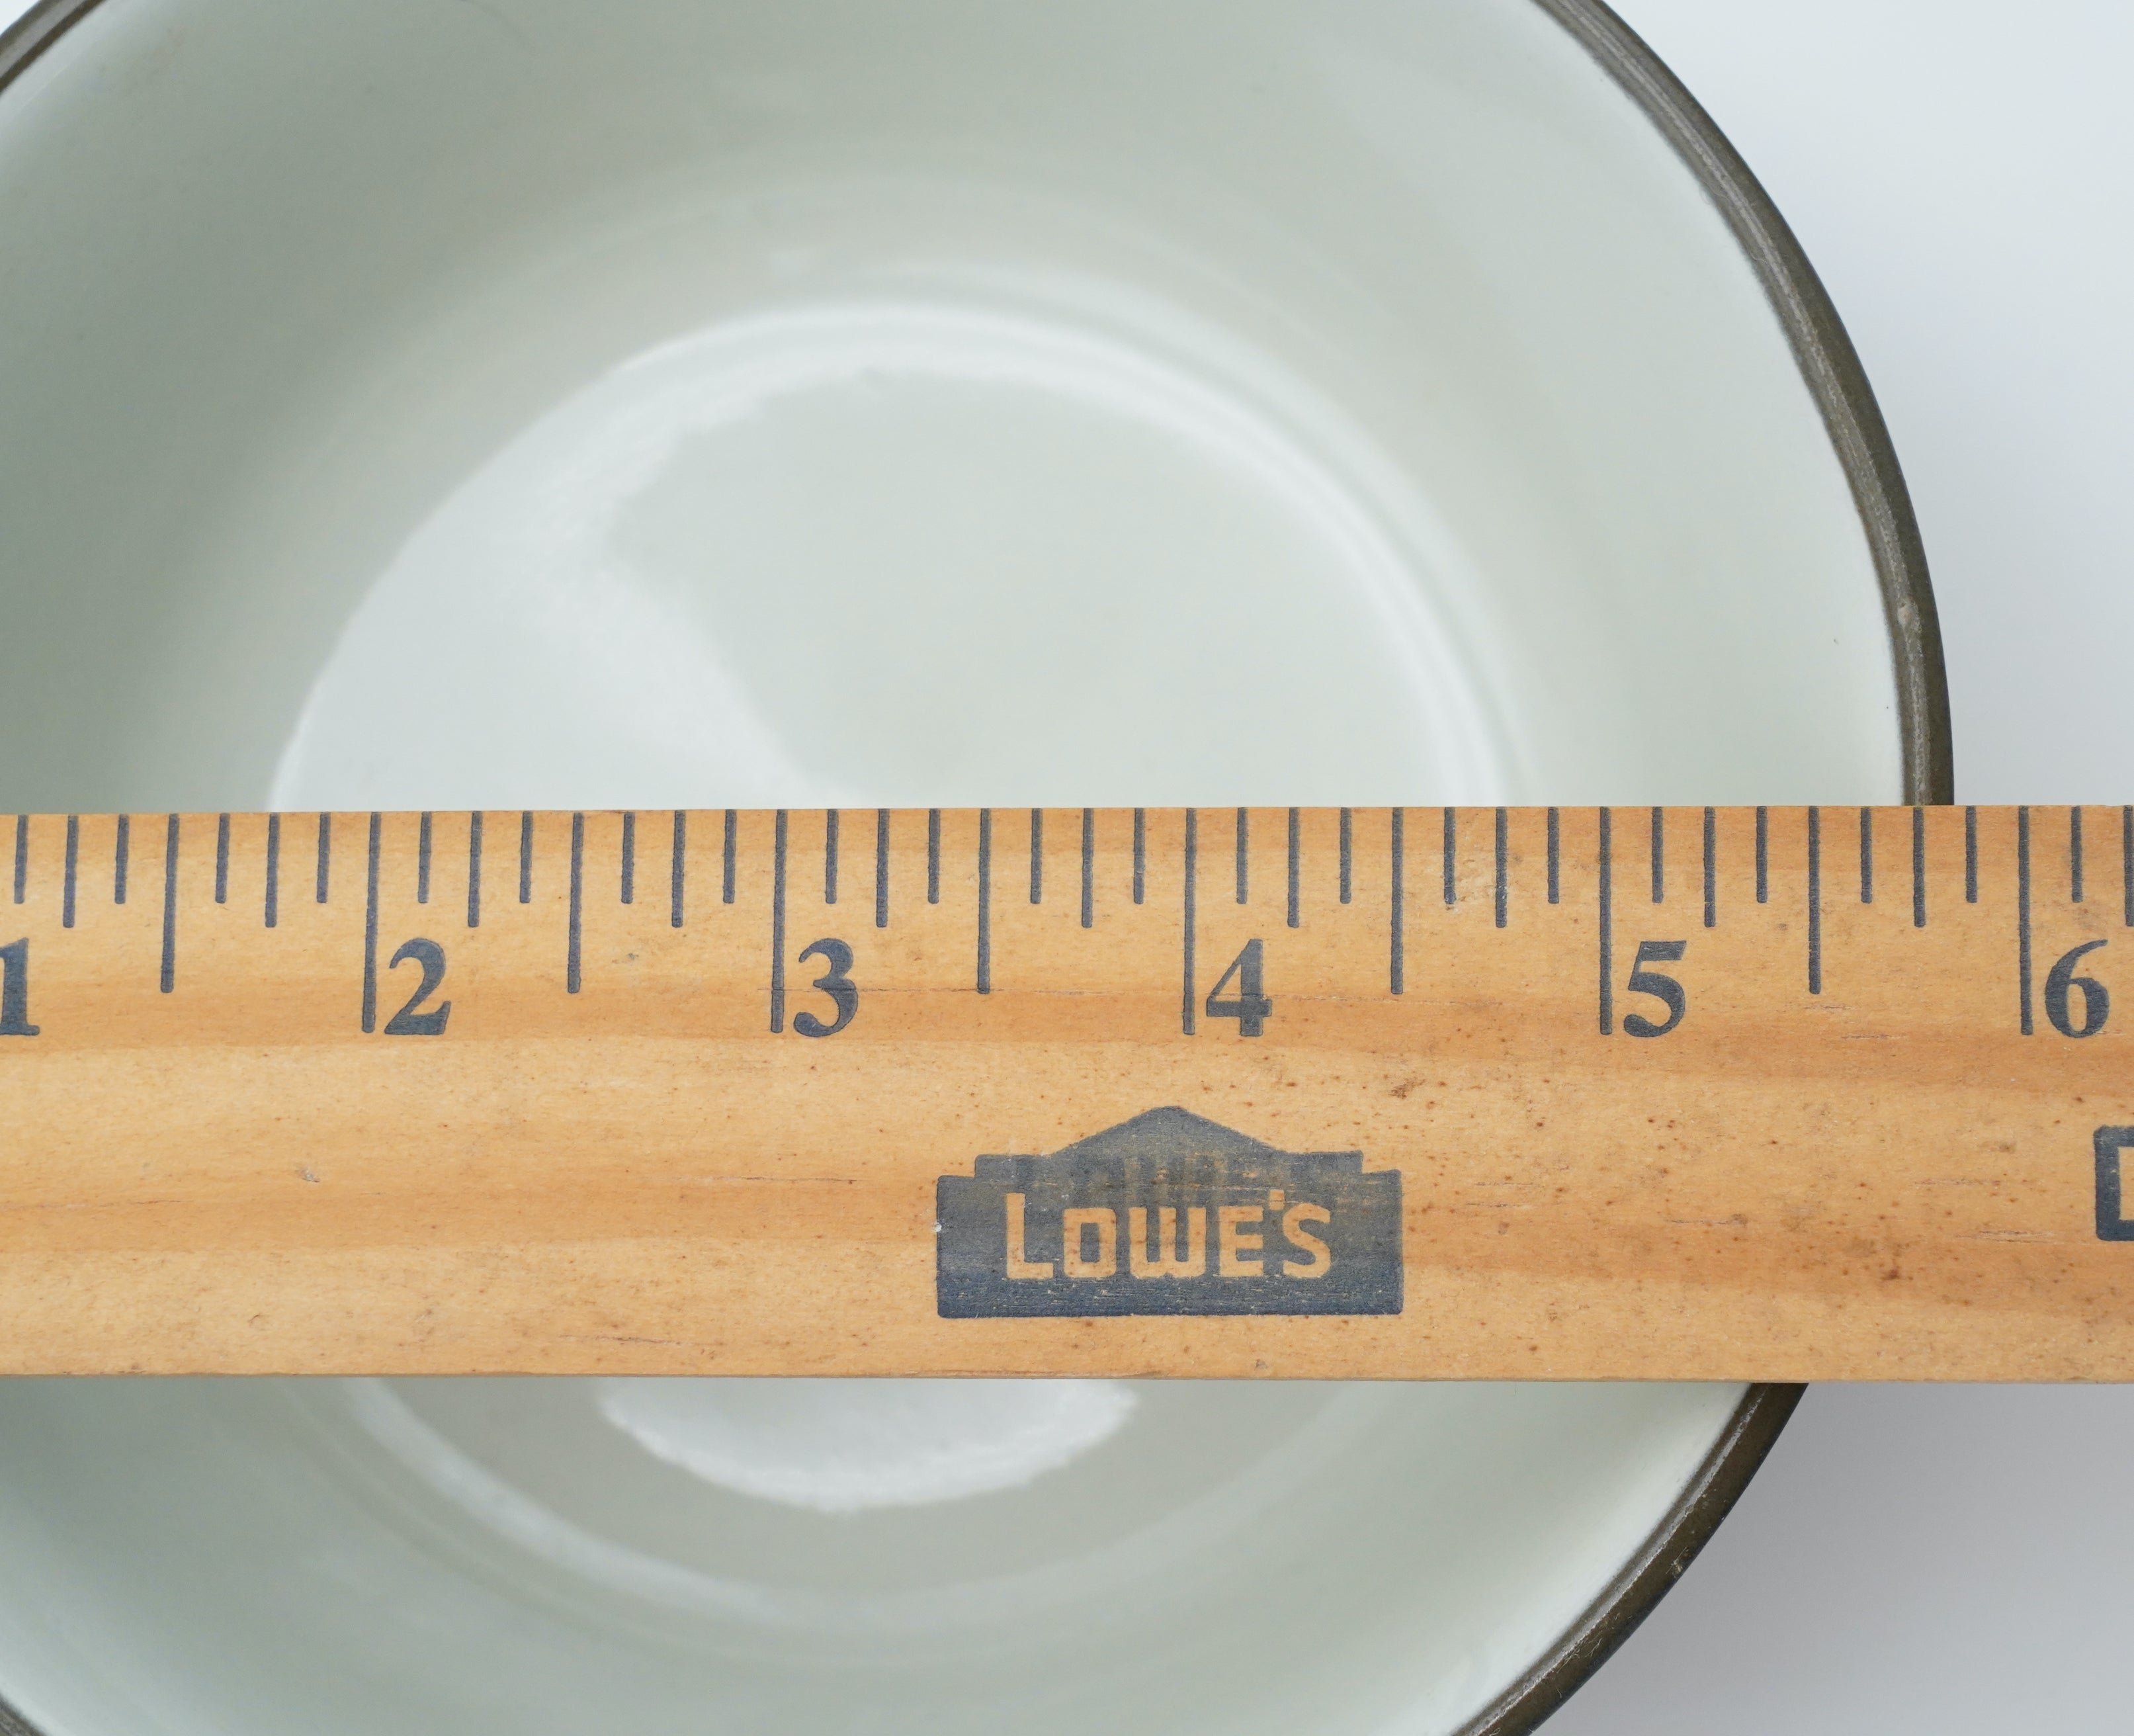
837, 983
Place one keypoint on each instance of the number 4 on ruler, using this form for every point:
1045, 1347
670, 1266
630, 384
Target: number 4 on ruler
1251, 1006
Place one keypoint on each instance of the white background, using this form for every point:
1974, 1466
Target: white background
1961, 173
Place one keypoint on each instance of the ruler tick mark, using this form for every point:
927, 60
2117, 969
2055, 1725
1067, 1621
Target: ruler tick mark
1970, 855
933, 855
1037, 855
170, 970
120, 852
1347, 853
273, 868
1555, 855
474, 869
1763, 855
629, 888
1815, 901
678, 869
830, 856
1244, 823
1396, 940
22, 852
1918, 867
326, 855
1451, 847
1295, 865
1659, 855
2074, 855
1089, 867
526, 858
1504, 868
985, 973
1605, 925
2023, 913
2126, 863
1711, 867
221, 858
726, 846
1866, 855
777, 921
1191, 875
73, 852
371, 934
570, 954
423, 862
882, 868
1141, 856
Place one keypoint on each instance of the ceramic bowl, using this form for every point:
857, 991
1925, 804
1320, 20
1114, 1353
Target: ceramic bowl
527, 403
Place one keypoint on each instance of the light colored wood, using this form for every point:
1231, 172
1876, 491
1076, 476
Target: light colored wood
1886, 1179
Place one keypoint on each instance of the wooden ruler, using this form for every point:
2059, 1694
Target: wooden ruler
1686, 1093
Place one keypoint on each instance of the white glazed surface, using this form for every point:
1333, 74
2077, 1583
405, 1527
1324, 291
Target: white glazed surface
709, 404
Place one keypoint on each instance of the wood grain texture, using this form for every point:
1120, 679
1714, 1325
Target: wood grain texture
1879, 1177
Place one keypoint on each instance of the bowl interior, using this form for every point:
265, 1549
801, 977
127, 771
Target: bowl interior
724, 404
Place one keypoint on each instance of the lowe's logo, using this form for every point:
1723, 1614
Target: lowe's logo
1169, 1214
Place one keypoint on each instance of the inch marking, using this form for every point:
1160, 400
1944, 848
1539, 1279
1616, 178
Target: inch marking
629, 888
777, 923
1451, 848
271, 909
577, 901
22, 851
221, 862
1866, 855
726, 846
2074, 855
829, 855
1970, 855
2126, 863
1192, 874
1606, 899
119, 854
526, 859
1037, 855
2023, 913
1503, 869
1555, 853
326, 855
1140, 856
1348, 854
1763, 855
1245, 822
678, 869
1711, 867
1295, 865
1918, 867
169, 975
1815, 901
474, 870
1089, 867
1659, 855
370, 934
933, 855
985, 901
1396, 940
882, 868
423, 862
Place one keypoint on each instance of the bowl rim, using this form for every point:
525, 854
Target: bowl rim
1832, 371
